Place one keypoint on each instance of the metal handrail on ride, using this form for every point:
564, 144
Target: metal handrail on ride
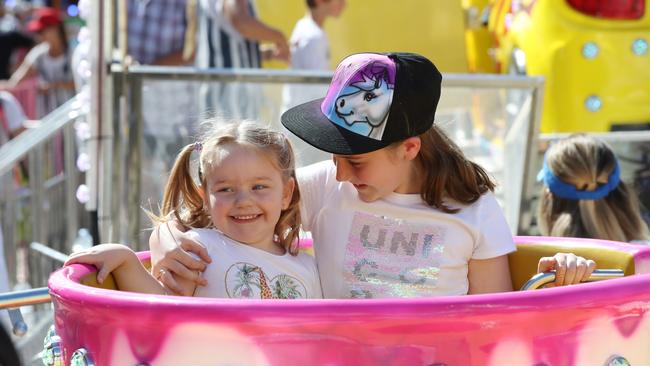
48, 184
129, 81
306, 76
17, 148
544, 278
12, 301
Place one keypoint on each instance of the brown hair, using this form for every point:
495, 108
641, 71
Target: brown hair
448, 173
586, 163
182, 197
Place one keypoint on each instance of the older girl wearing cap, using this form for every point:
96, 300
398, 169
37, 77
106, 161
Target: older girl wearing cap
584, 196
398, 211
49, 61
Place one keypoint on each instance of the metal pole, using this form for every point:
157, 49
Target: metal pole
8, 232
134, 162
530, 161
105, 103
36, 187
120, 127
71, 181
22, 298
95, 143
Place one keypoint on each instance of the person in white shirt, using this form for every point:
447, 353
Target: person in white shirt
310, 49
49, 61
245, 212
12, 123
309, 45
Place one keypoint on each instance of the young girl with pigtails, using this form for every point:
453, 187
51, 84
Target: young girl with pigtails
399, 211
245, 211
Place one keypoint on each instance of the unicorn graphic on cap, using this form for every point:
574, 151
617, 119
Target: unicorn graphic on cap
367, 101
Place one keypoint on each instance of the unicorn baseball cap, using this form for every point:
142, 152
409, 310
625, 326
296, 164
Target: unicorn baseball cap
374, 100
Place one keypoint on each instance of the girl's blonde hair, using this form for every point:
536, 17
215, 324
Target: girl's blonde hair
183, 198
587, 163
447, 173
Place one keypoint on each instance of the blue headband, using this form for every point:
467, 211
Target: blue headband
569, 191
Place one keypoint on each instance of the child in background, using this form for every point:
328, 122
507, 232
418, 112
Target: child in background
584, 196
310, 49
245, 212
49, 61
398, 211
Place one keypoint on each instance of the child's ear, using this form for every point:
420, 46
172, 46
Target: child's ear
410, 147
287, 194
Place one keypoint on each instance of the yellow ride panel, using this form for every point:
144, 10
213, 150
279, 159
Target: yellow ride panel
433, 28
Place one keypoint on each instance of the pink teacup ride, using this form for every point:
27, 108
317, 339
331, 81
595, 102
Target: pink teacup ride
598, 323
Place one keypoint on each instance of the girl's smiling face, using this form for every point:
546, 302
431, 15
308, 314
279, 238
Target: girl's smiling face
246, 194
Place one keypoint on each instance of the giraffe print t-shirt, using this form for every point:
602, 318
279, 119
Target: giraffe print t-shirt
243, 272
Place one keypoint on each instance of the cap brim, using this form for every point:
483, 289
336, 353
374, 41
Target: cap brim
310, 124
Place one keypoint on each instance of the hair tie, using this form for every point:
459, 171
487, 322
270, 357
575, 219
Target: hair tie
197, 146
569, 191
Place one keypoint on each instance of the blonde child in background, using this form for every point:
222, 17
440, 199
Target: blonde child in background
244, 212
584, 196
398, 211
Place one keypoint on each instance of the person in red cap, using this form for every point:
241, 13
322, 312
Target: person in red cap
49, 61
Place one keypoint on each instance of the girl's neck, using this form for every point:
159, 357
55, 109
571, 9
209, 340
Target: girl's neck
274, 248
318, 16
412, 184
269, 247
56, 49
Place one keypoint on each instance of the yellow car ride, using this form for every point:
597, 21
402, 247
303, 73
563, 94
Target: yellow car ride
593, 54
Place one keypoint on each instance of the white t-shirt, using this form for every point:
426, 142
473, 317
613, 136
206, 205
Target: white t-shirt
14, 118
396, 246
309, 51
50, 70
242, 271
309, 46
14, 115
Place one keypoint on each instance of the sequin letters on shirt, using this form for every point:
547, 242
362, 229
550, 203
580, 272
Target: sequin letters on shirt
389, 257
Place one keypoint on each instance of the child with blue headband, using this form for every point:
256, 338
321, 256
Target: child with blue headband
584, 195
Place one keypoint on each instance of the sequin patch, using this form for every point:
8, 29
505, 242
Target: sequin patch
388, 257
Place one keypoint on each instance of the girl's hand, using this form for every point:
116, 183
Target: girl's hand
171, 261
569, 268
106, 257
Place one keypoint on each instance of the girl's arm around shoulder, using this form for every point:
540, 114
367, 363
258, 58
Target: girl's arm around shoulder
315, 182
121, 261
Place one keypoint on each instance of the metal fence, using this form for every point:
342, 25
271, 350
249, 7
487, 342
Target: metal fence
42, 208
494, 118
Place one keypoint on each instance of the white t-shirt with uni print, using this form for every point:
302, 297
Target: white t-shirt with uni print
244, 272
396, 246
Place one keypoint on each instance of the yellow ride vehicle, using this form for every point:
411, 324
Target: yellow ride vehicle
593, 54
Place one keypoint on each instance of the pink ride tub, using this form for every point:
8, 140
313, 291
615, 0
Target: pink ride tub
598, 323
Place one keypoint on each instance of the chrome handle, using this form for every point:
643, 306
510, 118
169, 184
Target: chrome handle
545, 278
